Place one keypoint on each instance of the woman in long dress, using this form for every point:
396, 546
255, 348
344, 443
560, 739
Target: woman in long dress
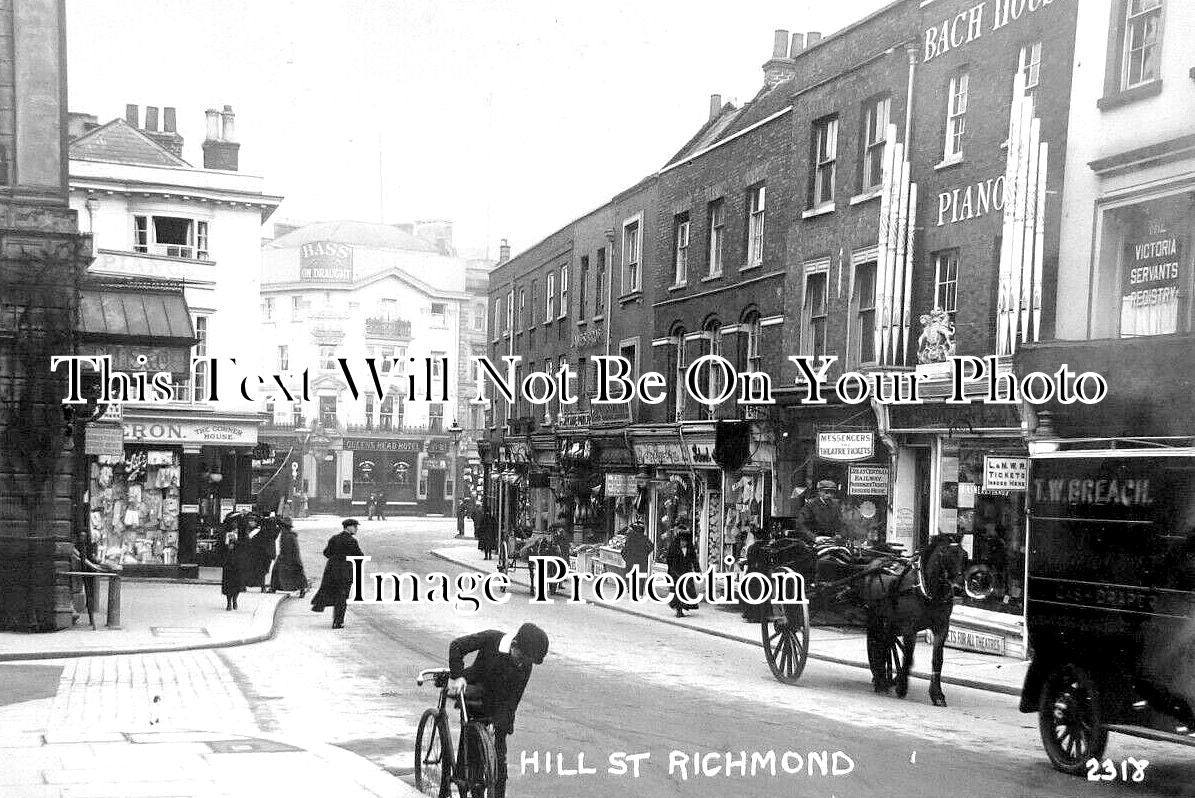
288, 573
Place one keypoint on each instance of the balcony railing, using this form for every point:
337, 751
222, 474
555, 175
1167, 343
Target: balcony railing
387, 328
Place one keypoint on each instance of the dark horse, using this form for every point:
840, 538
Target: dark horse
899, 605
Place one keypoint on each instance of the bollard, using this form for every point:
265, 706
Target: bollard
113, 619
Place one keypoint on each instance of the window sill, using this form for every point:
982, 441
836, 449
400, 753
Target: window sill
709, 278
600, 317
946, 163
680, 286
634, 296
867, 196
748, 267
561, 317
1144, 91
820, 210
582, 322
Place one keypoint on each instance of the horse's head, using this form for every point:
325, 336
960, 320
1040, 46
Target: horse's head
943, 567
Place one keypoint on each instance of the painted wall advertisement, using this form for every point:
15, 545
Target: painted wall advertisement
867, 481
325, 262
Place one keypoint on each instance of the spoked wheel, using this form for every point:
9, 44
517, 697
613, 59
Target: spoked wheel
1068, 717
785, 632
480, 763
433, 755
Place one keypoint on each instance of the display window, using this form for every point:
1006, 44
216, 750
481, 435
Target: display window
134, 506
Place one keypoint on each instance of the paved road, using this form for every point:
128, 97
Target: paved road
616, 683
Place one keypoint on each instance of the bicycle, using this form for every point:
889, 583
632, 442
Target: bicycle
472, 767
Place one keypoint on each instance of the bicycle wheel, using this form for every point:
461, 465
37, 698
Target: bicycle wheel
433, 755
480, 762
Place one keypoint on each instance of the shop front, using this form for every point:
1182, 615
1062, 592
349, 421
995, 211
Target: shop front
156, 506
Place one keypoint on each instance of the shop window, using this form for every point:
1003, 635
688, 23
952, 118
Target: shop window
875, 134
171, 236
946, 280
956, 114
680, 254
327, 411
757, 201
717, 217
599, 284
825, 158
864, 301
134, 508
813, 327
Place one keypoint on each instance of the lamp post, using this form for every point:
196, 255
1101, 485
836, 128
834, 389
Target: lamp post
455, 431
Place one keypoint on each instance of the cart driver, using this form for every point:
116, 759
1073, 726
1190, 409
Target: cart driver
820, 516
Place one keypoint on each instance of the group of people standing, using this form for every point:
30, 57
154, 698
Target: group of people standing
260, 552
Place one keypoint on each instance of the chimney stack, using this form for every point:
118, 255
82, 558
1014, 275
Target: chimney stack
151, 119
78, 124
168, 137
503, 252
812, 38
779, 67
132, 115
169, 121
715, 106
798, 45
220, 149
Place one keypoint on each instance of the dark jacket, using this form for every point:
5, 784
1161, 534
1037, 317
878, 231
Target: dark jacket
501, 680
637, 551
817, 517
338, 572
238, 565
288, 568
679, 563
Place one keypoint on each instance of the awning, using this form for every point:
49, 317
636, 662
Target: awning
127, 322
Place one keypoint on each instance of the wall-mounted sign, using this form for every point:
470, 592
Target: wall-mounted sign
845, 445
174, 359
1005, 473
621, 485
660, 453
1149, 290
203, 432
379, 445
702, 454
325, 262
590, 337
970, 202
867, 480
103, 439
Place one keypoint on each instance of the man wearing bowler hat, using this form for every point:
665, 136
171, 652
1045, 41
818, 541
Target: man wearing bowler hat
821, 515
338, 573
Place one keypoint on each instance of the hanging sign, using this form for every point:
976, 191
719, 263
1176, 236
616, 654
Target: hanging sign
103, 439
621, 485
1005, 473
845, 445
867, 481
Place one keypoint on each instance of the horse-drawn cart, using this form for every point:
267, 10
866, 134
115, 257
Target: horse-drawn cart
898, 596
515, 551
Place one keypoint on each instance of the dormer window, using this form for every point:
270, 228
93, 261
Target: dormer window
170, 236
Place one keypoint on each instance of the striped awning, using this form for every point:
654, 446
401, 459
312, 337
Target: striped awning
154, 316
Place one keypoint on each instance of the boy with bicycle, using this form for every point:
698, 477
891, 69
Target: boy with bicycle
500, 673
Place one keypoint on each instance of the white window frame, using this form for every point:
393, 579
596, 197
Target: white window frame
267, 308
497, 318
550, 297
946, 284
753, 332
632, 254
875, 133
680, 265
956, 114
865, 327
145, 237
563, 292
819, 270
521, 319
825, 161
1132, 19
283, 358
439, 319
757, 209
510, 310
717, 219
1029, 64
199, 378
327, 357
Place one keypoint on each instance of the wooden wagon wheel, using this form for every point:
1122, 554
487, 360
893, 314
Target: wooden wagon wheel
785, 633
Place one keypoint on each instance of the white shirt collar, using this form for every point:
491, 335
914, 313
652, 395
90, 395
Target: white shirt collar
504, 644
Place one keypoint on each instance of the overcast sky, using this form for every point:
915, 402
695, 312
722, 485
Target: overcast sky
509, 118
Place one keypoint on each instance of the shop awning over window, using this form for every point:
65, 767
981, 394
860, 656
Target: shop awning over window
132, 322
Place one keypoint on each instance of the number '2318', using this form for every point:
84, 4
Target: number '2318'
1130, 769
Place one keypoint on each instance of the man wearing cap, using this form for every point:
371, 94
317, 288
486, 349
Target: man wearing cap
338, 573
820, 515
499, 673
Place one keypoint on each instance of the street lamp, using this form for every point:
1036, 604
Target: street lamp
455, 431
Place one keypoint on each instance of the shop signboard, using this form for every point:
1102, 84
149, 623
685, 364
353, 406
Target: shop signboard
381, 445
211, 433
621, 485
1150, 284
845, 446
325, 262
103, 439
973, 640
125, 357
1005, 473
702, 454
660, 453
435, 462
867, 481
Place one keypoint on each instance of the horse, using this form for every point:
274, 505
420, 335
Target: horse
898, 606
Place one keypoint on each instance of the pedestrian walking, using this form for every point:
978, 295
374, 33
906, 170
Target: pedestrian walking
263, 537
637, 552
288, 573
237, 562
379, 505
338, 573
682, 559
371, 502
461, 512
487, 534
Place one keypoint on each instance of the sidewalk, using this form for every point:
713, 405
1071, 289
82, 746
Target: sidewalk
159, 716
849, 647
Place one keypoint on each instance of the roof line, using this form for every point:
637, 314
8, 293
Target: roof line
727, 140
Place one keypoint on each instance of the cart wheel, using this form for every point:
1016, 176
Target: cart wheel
1068, 717
785, 633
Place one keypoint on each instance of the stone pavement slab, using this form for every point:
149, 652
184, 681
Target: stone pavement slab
155, 616
845, 647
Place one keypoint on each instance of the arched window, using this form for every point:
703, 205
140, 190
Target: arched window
676, 372
749, 339
711, 376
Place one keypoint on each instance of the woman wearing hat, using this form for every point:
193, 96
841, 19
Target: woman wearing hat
821, 516
682, 558
637, 551
288, 573
338, 573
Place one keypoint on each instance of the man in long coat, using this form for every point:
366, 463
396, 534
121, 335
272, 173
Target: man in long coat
338, 573
821, 515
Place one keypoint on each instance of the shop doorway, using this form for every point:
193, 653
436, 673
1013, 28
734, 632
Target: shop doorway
325, 485
921, 495
436, 503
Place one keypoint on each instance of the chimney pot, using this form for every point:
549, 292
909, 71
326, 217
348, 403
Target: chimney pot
780, 44
151, 118
132, 115
229, 124
213, 124
798, 45
812, 38
715, 105
504, 251
169, 120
